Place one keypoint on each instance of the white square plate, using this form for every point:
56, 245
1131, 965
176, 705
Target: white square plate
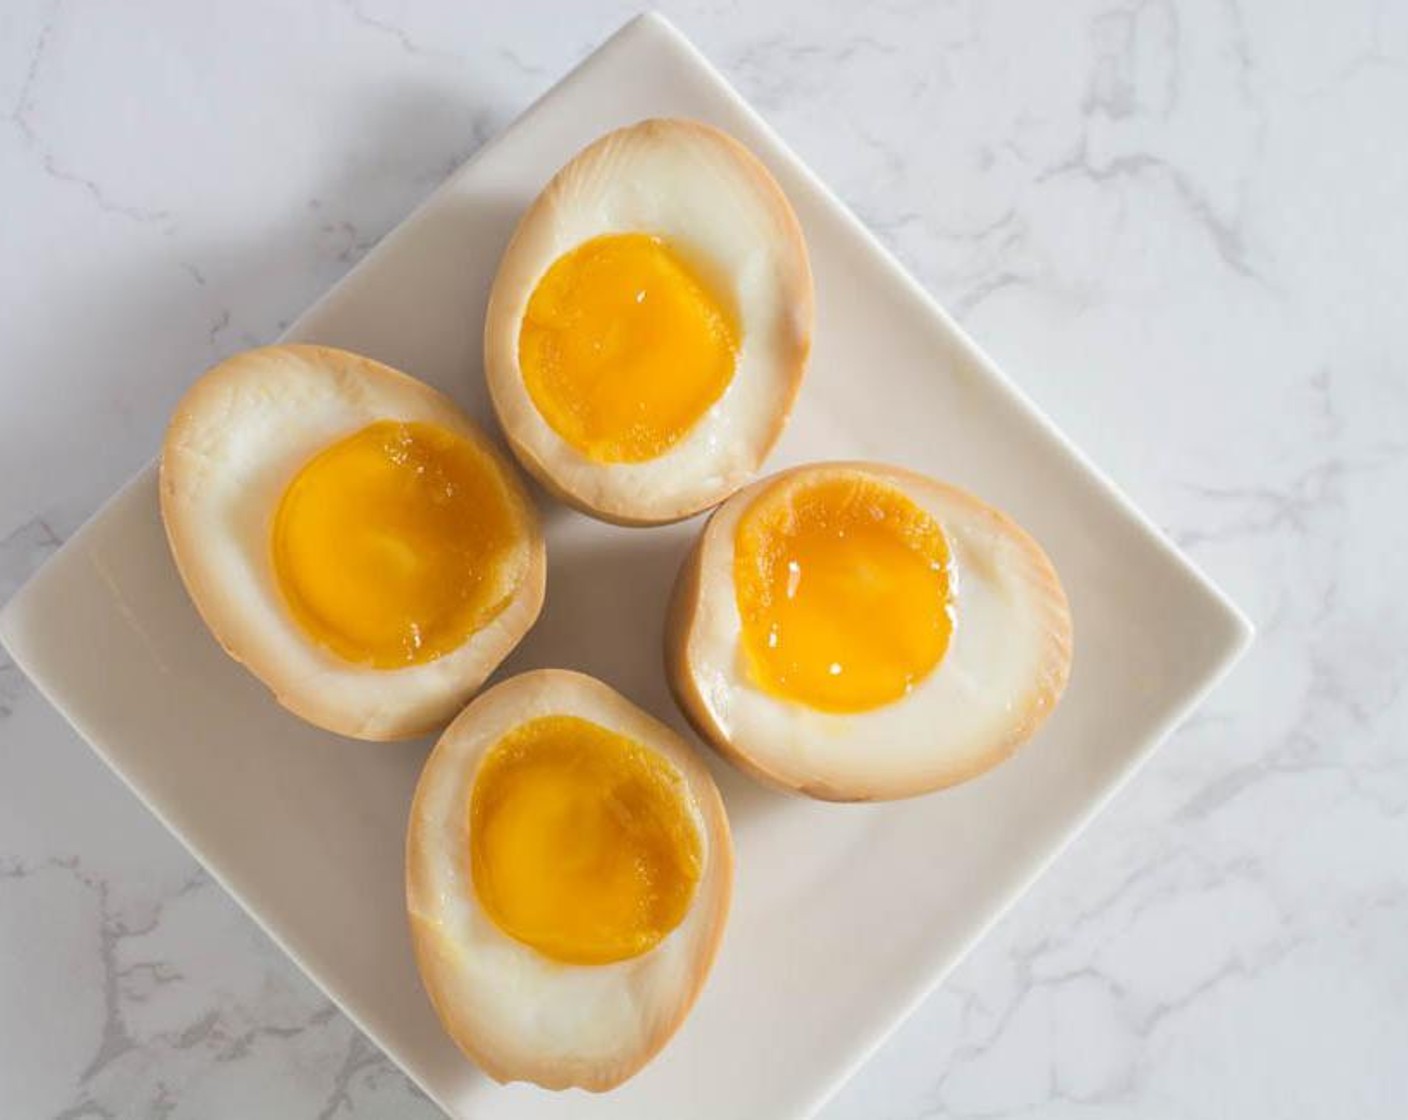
306, 829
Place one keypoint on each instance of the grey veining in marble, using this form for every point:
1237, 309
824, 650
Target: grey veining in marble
1180, 225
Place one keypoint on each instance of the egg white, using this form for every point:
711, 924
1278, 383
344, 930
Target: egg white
236, 441
1004, 669
700, 190
518, 1013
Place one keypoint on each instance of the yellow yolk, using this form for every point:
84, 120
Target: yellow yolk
581, 844
391, 546
843, 591
623, 347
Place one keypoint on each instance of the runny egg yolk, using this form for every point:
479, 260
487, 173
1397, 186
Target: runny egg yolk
581, 844
390, 545
624, 347
843, 591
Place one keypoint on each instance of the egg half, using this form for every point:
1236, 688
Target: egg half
858, 632
350, 536
650, 322
568, 874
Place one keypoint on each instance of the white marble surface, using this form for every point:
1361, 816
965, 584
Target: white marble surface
1180, 226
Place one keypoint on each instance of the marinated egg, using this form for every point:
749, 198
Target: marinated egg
569, 868
650, 322
855, 631
350, 536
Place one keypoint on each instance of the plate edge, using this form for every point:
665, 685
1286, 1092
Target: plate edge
1239, 640
1235, 618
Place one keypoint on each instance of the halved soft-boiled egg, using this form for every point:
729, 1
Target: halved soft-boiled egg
858, 632
568, 873
650, 322
350, 535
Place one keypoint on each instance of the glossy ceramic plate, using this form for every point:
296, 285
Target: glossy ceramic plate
306, 829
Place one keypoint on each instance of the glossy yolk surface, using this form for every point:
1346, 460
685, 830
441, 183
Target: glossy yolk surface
842, 586
623, 347
391, 545
581, 844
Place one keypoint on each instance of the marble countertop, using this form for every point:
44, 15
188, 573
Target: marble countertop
1180, 226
